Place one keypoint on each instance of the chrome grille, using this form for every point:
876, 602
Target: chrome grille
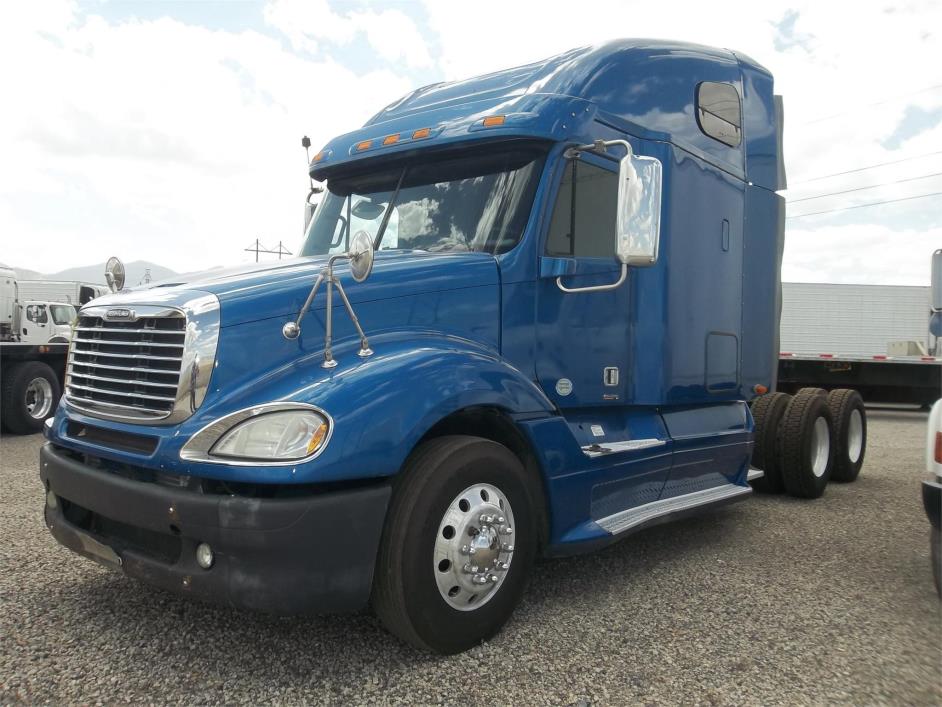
143, 363
130, 367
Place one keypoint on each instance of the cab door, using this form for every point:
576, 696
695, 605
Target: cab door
584, 345
582, 338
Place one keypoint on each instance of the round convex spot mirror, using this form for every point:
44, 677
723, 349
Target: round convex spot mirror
361, 256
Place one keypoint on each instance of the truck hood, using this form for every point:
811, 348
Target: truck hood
262, 291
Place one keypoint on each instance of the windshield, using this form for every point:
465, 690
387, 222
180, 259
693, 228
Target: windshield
477, 202
62, 313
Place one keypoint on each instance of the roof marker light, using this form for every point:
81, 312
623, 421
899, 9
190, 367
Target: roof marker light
391, 139
318, 157
421, 133
365, 145
492, 121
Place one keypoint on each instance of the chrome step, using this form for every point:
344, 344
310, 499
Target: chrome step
640, 515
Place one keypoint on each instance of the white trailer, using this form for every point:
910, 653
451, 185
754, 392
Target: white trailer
72, 292
873, 338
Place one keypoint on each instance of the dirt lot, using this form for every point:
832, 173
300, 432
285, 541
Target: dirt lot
770, 601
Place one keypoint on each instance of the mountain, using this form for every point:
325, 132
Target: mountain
96, 273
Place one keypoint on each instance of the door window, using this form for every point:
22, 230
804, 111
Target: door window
584, 226
36, 313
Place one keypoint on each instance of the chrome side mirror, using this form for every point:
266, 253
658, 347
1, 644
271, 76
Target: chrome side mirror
361, 256
639, 209
114, 274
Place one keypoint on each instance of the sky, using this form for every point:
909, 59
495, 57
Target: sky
170, 131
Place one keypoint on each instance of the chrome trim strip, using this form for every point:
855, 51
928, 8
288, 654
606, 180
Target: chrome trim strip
754, 474
122, 330
125, 381
628, 445
83, 352
123, 394
198, 446
633, 517
117, 342
133, 369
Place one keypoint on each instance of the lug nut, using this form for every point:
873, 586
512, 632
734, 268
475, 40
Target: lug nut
506, 530
493, 578
464, 549
507, 548
471, 550
500, 519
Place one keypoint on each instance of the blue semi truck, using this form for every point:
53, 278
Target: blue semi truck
529, 317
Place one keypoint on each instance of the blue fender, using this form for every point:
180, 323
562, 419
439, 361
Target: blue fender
381, 406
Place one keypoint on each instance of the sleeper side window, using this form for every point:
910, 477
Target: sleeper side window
588, 230
719, 112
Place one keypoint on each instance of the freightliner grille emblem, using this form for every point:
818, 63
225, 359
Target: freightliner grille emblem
119, 313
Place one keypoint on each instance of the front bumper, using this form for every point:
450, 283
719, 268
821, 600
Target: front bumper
310, 554
932, 501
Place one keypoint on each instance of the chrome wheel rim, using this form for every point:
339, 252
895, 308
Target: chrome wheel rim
820, 446
854, 436
474, 547
38, 398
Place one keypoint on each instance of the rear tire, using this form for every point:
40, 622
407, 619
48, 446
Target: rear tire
806, 444
30, 393
850, 433
767, 411
429, 527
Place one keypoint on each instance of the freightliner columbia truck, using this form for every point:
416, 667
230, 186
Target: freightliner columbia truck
529, 316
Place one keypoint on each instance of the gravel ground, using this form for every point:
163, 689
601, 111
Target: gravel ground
771, 601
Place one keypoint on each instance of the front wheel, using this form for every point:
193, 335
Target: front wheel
30, 393
460, 538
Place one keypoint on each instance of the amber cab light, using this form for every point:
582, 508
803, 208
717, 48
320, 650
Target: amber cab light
421, 133
492, 121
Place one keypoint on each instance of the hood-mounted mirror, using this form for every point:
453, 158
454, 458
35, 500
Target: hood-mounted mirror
115, 274
360, 256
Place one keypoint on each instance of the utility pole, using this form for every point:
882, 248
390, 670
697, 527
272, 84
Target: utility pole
258, 248
281, 250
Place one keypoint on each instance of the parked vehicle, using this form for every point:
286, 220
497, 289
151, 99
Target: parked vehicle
76, 293
34, 339
875, 339
522, 324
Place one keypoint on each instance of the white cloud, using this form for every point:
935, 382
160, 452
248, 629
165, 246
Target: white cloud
310, 23
160, 141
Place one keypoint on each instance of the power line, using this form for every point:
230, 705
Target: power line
872, 186
863, 206
873, 166
875, 103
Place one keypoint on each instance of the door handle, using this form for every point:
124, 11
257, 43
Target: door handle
596, 288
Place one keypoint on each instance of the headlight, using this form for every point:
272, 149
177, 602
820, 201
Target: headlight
279, 433
281, 436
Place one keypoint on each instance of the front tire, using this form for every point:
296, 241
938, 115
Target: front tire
29, 395
451, 497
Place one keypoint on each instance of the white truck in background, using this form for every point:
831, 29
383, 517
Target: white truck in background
34, 342
72, 292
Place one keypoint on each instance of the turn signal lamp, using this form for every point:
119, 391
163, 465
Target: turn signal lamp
317, 438
318, 157
492, 121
